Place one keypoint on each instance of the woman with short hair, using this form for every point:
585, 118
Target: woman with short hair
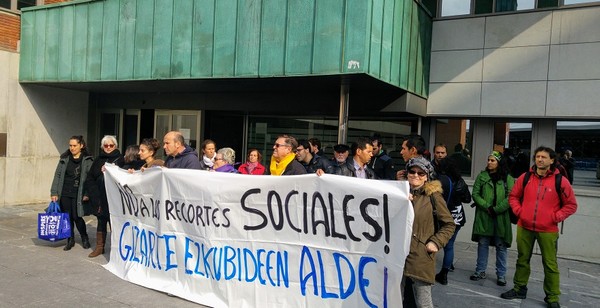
252, 164
109, 154
224, 160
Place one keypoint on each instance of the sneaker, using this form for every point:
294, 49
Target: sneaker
501, 281
478, 275
512, 294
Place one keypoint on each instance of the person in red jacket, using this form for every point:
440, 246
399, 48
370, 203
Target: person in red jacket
538, 207
252, 164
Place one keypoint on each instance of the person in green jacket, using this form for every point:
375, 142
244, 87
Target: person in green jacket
491, 226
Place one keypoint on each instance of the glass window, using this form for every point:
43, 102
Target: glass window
484, 6
5, 4
457, 135
455, 7
514, 140
506, 5
18, 4
262, 132
547, 3
526, 5
582, 141
568, 2
25, 3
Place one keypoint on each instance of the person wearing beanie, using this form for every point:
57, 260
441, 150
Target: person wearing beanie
430, 212
491, 226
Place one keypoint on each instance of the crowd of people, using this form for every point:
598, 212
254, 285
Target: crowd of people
437, 194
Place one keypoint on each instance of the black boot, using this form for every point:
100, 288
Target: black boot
85, 242
70, 244
442, 276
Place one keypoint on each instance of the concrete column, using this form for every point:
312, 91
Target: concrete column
343, 117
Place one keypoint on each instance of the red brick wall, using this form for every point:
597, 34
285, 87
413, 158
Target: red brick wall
10, 30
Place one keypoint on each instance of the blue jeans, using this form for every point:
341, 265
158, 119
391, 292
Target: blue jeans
483, 247
449, 250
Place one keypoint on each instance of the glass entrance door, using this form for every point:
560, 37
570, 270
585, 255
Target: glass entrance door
185, 121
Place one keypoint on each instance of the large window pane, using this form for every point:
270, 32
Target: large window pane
457, 135
262, 132
514, 140
456, 7
583, 140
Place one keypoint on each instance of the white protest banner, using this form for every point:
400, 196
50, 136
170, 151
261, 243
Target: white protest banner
233, 240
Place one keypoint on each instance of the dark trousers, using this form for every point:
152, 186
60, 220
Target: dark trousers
69, 205
103, 222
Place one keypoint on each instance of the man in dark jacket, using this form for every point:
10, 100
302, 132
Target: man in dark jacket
179, 155
540, 208
381, 163
283, 161
357, 166
312, 162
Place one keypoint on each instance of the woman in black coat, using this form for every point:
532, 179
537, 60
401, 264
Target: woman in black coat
109, 154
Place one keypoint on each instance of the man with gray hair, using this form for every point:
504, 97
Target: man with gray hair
224, 161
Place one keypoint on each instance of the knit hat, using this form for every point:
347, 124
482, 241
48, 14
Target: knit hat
496, 155
423, 164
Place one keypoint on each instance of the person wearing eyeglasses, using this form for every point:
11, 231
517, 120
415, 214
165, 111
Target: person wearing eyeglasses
312, 162
491, 226
283, 161
431, 230
68, 189
224, 161
109, 154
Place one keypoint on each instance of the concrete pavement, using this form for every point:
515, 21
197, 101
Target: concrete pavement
36, 273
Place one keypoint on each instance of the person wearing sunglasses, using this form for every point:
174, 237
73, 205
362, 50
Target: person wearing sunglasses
491, 226
283, 161
433, 226
109, 154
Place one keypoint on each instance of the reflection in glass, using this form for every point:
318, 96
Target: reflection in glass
457, 135
262, 131
582, 139
514, 141
456, 7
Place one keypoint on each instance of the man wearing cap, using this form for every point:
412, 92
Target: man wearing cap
340, 156
311, 162
381, 163
357, 166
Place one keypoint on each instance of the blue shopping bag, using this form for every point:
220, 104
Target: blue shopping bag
53, 225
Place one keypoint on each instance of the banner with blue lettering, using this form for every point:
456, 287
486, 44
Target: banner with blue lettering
234, 240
